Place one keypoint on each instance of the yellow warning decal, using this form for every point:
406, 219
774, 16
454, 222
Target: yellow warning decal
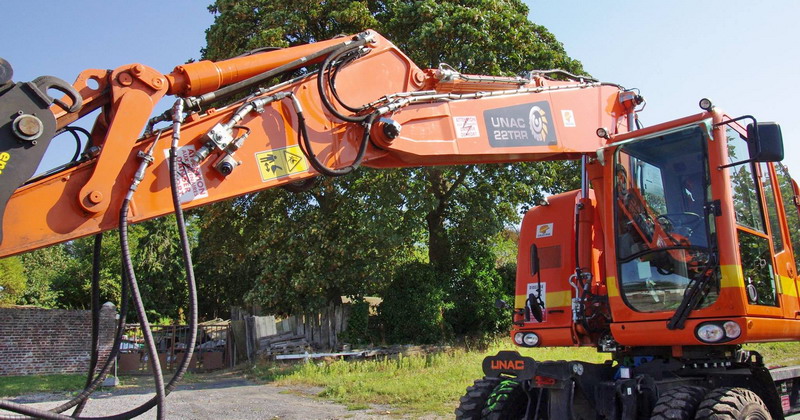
277, 163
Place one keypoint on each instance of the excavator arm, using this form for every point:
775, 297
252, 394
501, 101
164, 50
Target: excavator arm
318, 109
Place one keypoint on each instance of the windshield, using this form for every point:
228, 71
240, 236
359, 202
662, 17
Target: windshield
664, 237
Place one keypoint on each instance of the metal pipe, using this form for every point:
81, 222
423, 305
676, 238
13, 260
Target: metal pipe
584, 177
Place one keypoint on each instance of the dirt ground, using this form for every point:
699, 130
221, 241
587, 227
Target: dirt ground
216, 396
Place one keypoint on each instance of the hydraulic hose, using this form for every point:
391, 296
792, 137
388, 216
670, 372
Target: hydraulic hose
305, 144
332, 83
183, 367
149, 341
98, 245
322, 77
154, 362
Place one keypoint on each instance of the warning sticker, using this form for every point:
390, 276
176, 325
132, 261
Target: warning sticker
533, 289
277, 163
466, 127
191, 183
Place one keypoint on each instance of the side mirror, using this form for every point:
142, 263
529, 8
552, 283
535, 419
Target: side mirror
765, 142
501, 304
534, 260
534, 309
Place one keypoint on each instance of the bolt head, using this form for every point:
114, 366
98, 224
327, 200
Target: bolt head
391, 129
29, 125
96, 197
125, 79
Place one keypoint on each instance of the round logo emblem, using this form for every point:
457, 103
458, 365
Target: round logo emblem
538, 123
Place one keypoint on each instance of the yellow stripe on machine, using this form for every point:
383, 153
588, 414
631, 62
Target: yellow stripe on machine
552, 299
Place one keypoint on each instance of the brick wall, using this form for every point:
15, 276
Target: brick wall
51, 341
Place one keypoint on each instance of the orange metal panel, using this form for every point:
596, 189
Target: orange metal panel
654, 333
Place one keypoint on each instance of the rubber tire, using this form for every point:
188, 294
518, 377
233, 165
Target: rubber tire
733, 404
679, 403
507, 401
471, 405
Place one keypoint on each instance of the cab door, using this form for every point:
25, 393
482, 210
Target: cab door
767, 265
790, 198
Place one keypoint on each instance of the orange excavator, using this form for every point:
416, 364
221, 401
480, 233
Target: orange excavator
674, 253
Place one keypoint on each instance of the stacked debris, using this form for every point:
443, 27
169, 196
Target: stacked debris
286, 343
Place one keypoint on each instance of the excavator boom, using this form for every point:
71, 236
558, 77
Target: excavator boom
406, 116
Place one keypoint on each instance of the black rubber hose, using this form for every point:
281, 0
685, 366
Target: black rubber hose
332, 84
183, 367
188, 266
149, 341
98, 246
319, 166
322, 77
74, 130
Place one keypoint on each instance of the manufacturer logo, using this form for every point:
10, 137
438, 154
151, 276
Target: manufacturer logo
520, 125
508, 364
537, 119
544, 231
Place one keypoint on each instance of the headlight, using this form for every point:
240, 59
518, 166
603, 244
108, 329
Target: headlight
732, 329
531, 339
710, 333
518, 338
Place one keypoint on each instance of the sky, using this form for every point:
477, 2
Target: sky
740, 54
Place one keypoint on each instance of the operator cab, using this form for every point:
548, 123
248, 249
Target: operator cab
665, 239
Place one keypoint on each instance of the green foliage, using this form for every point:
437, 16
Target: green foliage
293, 252
41, 268
12, 280
349, 235
251, 24
473, 293
477, 36
357, 331
60, 276
413, 306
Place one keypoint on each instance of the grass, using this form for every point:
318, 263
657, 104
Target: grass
11, 386
778, 354
433, 383
413, 385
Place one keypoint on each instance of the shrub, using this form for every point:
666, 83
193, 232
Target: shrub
473, 292
413, 306
357, 331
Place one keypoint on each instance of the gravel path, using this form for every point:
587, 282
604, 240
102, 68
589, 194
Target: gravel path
220, 396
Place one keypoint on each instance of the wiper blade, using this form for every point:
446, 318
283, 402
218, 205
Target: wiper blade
695, 292
666, 248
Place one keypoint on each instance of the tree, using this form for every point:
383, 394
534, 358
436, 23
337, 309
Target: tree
414, 305
293, 252
41, 268
60, 276
456, 210
12, 280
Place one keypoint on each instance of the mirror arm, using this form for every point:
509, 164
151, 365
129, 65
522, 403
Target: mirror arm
720, 167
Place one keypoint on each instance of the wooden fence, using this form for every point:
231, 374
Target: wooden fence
308, 332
